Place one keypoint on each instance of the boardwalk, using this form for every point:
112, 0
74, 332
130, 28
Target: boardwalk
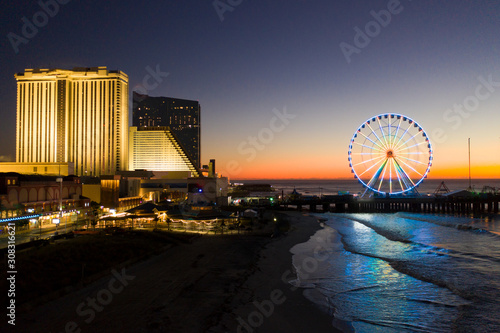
440, 204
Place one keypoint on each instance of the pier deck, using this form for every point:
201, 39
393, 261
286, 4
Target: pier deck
440, 204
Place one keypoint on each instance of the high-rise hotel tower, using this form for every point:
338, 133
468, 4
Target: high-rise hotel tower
78, 116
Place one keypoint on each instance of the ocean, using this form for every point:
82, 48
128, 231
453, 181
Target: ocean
402, 272
333, 186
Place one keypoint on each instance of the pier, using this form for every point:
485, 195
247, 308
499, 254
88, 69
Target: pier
440, 204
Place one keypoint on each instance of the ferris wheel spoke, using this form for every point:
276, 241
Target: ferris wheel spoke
383, 134
390, 177
412, 160
376, 176
397, 129
400, 176
378, 138
404, 176
409, 147
382, 148
397, 174
388, 131
408, 140
393, 126
383, 174
374, 165
370, 160
407, 181
382, 178
362, 145
403, 135
409, 166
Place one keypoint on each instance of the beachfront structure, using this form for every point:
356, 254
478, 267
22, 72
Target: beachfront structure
78, 116
208, 190
40, 195
180, 115
158, 149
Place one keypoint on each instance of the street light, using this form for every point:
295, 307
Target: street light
60, 181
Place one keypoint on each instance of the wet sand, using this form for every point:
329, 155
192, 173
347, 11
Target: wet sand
210, 285
291, 311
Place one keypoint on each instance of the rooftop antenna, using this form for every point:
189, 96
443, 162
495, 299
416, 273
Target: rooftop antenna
470, 186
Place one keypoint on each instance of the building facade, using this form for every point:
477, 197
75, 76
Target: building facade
158, 149
41, 194
180, 115
78, 116
46, 169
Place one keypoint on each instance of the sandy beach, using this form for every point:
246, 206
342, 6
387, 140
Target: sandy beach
291, 311
236, 283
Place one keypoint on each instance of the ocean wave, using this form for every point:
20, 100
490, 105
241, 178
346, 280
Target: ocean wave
463, 271
492, 240
457, 222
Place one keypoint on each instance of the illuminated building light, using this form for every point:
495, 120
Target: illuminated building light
26, 217
78, 116
158, 149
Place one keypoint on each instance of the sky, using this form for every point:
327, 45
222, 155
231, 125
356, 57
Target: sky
283, 85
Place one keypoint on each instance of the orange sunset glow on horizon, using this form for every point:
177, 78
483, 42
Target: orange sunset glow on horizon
478, 172
306, 170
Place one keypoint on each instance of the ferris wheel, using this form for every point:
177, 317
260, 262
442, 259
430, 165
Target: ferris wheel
390, 154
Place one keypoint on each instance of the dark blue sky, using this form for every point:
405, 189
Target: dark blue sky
269, 55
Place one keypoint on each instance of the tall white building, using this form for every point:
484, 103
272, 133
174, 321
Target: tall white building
78, 116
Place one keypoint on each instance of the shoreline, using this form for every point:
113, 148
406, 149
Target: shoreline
268, 302
204, 286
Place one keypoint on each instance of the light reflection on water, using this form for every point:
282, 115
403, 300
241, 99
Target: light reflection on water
437, 268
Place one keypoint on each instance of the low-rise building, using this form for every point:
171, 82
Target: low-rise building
41, 195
